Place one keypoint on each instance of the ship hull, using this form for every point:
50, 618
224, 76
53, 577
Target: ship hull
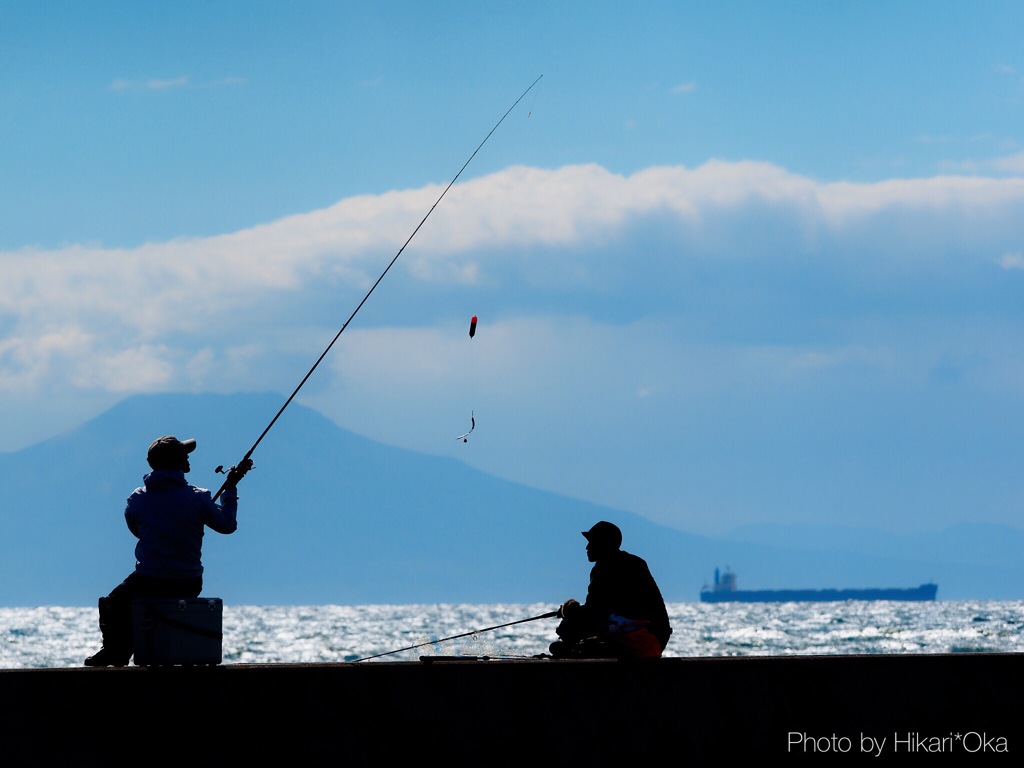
924, 592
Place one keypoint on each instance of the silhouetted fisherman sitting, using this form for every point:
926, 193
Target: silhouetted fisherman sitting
167, 516
624, 615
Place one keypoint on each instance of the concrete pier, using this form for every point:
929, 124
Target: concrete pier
937, 709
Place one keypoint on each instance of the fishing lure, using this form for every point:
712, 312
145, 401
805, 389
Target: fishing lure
472, 425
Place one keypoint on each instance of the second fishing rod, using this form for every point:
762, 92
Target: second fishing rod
245, 464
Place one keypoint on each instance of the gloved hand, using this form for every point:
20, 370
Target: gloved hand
569, 609
237, 473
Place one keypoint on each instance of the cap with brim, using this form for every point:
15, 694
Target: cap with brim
604, 533
169, 450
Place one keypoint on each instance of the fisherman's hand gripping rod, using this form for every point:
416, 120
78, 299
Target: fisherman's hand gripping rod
246, 463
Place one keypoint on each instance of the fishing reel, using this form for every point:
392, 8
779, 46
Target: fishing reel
237, 472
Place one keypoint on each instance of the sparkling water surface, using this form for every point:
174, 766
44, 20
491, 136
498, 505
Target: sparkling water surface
63, 637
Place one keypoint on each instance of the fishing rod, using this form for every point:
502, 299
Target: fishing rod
246, 463
549, 615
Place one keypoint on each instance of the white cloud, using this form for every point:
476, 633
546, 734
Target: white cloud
145, 368
152, 84
162, 85
1011, 163
684, 88
1012, 261
137, 318
33, 361
925, 138
172, 83
1007, 164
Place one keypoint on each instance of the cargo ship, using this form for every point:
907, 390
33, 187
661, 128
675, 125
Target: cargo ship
724, 591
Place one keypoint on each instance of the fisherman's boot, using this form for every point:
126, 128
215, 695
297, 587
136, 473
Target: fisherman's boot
116, 631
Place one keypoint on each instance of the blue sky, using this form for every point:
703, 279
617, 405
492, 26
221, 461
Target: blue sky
733, 262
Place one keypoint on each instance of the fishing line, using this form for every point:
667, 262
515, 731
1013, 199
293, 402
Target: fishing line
468, 372
287, 402
549, 615
533, 103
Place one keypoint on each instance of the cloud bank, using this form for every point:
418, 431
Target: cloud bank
678, 330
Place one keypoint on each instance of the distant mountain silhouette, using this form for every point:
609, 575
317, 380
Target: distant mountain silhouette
325, 517
328, 516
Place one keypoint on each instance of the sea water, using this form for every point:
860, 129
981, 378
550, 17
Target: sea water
63, 637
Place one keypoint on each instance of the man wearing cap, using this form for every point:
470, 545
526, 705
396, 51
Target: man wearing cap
168, 517
624, 615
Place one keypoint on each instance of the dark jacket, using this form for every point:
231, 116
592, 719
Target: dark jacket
621, 584
168, 516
